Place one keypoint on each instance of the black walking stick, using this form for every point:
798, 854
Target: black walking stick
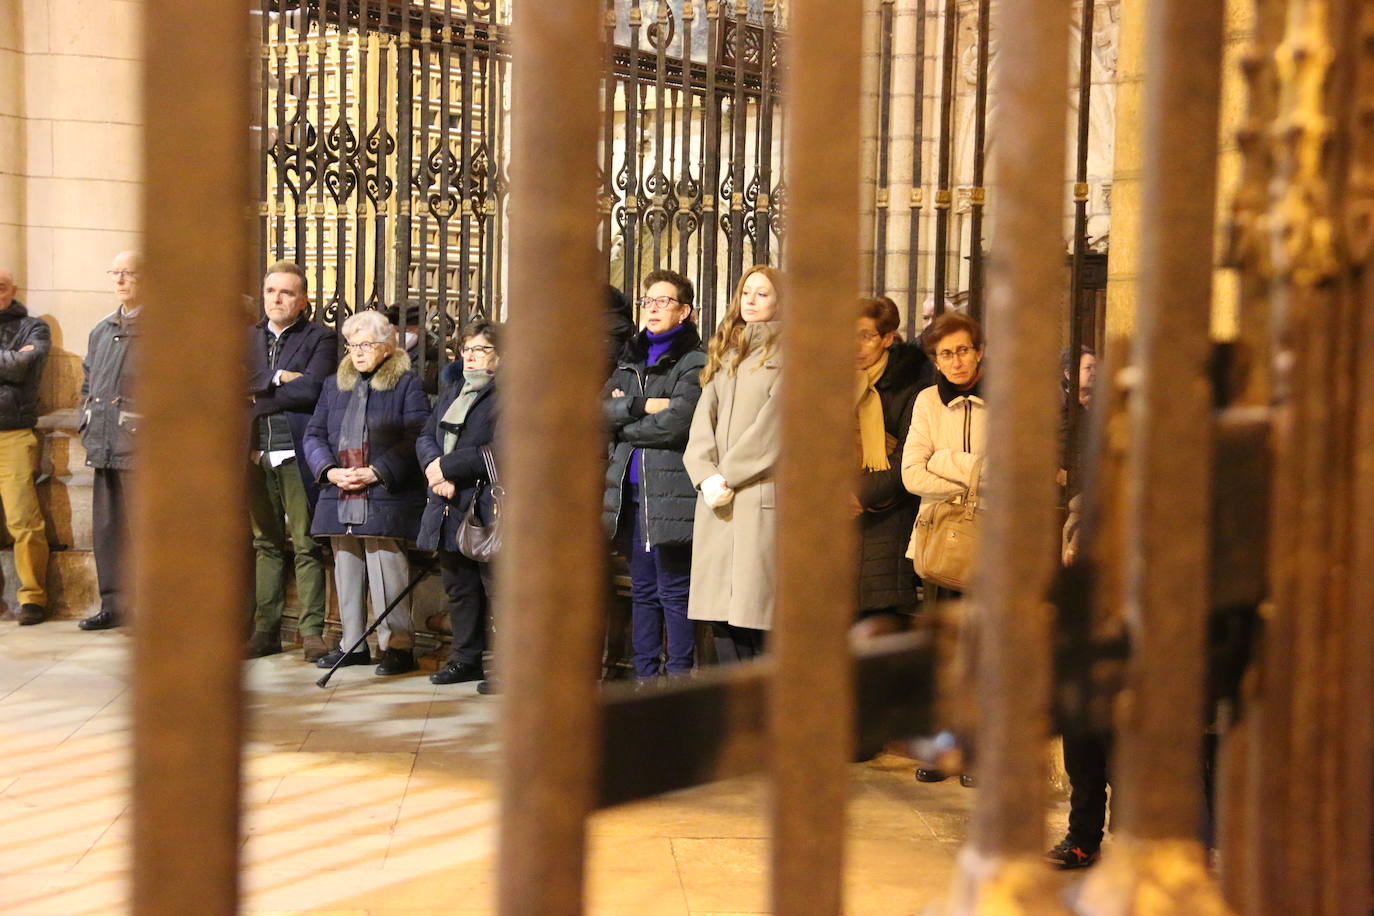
324, 681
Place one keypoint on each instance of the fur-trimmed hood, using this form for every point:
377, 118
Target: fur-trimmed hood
384, 378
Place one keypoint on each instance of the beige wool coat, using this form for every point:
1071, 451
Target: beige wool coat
735, 433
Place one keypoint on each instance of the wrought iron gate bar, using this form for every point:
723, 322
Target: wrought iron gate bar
916, 202
1072, 453
978, 195
944, 164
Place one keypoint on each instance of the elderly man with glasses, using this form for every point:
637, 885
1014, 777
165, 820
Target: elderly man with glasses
109, 422
24, 344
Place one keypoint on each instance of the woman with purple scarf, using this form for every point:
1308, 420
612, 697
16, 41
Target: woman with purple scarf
360, 446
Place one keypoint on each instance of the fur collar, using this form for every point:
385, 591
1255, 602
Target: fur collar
386, 376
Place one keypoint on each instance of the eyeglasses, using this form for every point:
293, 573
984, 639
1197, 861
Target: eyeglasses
364, 346
473, 351
122, 274
946, 356
867, 336
660, 304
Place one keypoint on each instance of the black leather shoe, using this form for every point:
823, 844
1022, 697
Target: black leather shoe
29, 614
931, 774
104, 620
488, 688
457, 673
362, 657
396, 661
968, 781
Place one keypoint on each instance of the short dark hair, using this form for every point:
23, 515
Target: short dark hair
951, 323
884, 313
290, 267
685, 293
482, 327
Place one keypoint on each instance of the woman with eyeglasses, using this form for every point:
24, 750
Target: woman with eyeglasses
888, 375
450, 451
731, 457
948, 436
360, 446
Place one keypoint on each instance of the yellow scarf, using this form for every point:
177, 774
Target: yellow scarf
869, 406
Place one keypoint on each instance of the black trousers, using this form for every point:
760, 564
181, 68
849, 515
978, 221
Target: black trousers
467, 606
110, 536
1087, 759
737, 644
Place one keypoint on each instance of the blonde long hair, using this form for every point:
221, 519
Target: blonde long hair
728, 340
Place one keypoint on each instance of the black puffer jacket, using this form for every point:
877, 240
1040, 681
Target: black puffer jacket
886, 577
109, 418
20, 372
666, 495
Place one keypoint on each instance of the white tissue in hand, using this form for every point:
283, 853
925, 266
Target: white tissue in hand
715, 491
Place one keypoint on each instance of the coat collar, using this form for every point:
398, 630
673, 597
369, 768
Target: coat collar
949, 393
386, 377
636, 349
16, 310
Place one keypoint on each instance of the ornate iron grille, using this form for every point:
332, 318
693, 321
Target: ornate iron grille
384, 144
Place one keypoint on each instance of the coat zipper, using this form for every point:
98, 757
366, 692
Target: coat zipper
643, 480
968, 425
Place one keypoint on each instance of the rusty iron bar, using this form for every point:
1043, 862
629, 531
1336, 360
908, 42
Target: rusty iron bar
884, 156
265, 161
1072, 450
360, 164
763, 227
710, 174
405, 181
739, 120
1159, 759
913, 267
552, 566
945, 156
688, 194
465, 199
423, 173
279, 147
633, 198
810, 753
321, 132
608, 88
980, 120
657, 185
1020, 530
187, 638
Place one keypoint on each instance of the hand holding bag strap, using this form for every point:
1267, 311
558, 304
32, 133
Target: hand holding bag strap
972, 496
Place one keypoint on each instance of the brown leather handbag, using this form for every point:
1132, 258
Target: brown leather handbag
945, 541
478, 541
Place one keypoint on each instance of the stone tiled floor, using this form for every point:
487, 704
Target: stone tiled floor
377, 796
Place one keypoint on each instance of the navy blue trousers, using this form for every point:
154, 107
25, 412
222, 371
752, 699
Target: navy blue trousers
660, 578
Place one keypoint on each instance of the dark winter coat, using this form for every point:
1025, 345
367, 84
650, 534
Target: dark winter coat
396, 411
307, 348
464, 465
886, 577
20, 372
109, 417
666, 495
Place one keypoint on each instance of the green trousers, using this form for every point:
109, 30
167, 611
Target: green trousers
280, 512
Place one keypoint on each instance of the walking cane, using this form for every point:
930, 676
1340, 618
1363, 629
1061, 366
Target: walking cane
324, 681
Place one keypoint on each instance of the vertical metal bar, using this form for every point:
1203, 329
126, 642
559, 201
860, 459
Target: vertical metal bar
609, 82
405, 178
687, 194
467, 199
913, 268
382, 147
1080, 240
1018, 553
657, 186
279, 147
978, 199
359, 258
1157, 803
343, 173
739, 119
445, 202
630, 232
321, 163
187, 641
426, 179
817, 541
552, 565
879, 281
943, 199
264, 239
763, 203
301, 124
710, 176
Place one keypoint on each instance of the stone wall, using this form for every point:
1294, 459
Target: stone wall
70, 195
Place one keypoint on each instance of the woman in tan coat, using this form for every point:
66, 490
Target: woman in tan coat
731, 456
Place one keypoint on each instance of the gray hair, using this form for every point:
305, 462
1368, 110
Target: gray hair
371, 320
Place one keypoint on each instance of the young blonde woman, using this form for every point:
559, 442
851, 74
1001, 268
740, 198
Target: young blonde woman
731, 456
